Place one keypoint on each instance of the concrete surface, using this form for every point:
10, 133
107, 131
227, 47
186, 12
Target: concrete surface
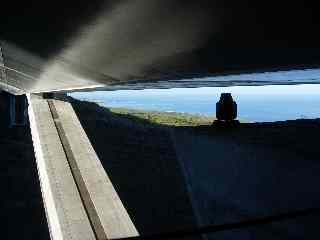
66, 215
235, 174
24, 73
253, 171
28, 73
106, 211
157, 39
142, 164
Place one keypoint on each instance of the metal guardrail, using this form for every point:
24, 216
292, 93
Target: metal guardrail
23, 72
3, 77
17, 72
6, 82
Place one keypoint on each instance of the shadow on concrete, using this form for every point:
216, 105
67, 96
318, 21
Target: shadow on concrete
176, 177
141, 161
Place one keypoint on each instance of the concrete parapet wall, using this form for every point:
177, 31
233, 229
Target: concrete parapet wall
79, 198
65, 212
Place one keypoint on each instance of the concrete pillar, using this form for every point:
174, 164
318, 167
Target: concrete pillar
55, 95
226, 108
48, 95
18, 110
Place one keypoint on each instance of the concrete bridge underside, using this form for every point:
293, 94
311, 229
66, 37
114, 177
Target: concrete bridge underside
132, 43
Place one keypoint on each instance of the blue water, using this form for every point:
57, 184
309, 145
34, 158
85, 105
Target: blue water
255, 103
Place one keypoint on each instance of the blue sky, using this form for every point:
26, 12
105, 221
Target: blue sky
305, 74
256, 103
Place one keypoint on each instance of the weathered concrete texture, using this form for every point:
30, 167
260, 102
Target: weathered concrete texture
26, 73
252, 171
105, 209
66, 215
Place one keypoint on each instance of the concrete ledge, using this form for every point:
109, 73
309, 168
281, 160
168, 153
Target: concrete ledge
66, 215
105, 209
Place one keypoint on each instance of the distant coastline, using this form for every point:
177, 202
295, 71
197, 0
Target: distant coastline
166, 118
256, 104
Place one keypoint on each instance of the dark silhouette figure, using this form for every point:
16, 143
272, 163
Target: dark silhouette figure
226, 108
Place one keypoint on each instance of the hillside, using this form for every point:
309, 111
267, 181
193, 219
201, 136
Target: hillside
165, 118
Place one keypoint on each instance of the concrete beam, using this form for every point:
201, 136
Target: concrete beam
66, 215
109, 217
80, 200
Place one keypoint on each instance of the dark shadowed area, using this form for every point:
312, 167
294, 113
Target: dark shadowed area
142, 164
21, 207
167, 177
172, 178
153, 39
209, 175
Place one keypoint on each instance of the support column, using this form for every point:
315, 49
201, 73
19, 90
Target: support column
18, 110
226, 109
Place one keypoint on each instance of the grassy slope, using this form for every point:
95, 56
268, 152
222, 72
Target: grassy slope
167, 118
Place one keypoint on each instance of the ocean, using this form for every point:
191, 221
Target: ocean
255, 103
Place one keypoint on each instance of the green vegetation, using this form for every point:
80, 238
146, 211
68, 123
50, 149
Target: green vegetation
166, 118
